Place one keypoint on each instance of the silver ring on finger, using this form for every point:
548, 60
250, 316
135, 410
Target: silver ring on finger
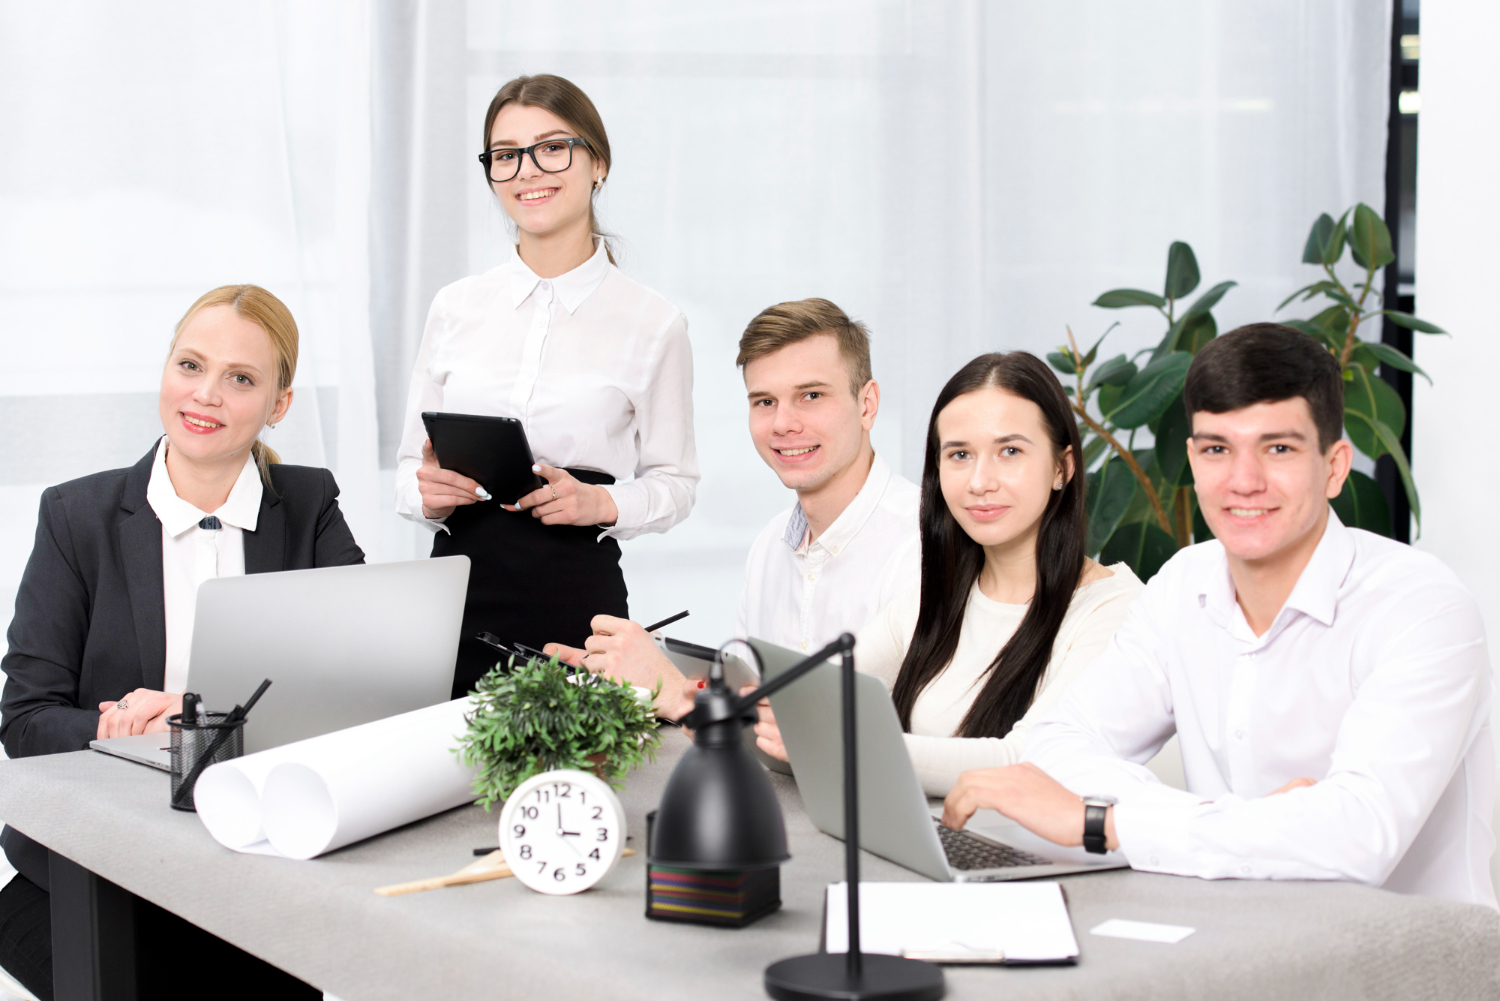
122, 704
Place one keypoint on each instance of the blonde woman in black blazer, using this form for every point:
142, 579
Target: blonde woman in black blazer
98, 645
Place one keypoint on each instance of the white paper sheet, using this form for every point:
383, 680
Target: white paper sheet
323, 793
1028, 922
1142, 931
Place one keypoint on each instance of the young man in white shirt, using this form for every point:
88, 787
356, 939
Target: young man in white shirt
848, 545
1330, 689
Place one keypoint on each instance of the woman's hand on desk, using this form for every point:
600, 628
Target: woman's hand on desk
622, 650
443, 490
145, 712
566, 500
767, 733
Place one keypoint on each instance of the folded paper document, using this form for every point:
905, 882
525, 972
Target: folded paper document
1012, 922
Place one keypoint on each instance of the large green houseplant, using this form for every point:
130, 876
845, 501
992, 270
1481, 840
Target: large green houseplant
533, 717
1141, 505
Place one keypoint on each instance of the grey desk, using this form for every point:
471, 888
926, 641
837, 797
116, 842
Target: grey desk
320, 921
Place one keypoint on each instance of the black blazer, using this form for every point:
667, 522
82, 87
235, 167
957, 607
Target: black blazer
90, 622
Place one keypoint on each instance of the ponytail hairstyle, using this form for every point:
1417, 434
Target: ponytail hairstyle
262, 308
567, 101
952, 561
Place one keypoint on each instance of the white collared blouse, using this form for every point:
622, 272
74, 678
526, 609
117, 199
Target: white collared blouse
1373, 680
596, 366
192, 554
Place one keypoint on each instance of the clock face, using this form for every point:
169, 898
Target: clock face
562, 831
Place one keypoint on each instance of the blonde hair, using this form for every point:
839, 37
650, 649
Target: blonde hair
262, 308
786, 323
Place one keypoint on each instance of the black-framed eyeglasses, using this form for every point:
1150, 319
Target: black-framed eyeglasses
552, 156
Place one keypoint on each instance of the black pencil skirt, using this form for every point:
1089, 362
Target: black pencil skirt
528, 582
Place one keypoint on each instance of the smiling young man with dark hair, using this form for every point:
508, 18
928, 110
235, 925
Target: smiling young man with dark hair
1330, 689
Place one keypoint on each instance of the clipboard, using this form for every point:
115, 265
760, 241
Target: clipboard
492, 451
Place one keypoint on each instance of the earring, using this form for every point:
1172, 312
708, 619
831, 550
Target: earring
598, 183
1058, 485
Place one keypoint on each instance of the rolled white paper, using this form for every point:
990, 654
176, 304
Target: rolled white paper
323, 793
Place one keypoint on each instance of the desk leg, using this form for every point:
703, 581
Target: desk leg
93, 936
110, 945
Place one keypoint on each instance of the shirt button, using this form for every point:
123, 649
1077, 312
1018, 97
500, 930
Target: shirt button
1155, 861
1239, 735
835, 550
804, 644
812, 576
1245, 869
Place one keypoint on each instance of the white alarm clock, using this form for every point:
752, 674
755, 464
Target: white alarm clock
562, 831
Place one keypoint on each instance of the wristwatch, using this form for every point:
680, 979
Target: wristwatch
1095, 808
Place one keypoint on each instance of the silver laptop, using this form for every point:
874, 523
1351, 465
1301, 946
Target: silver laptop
895, 821
341, 645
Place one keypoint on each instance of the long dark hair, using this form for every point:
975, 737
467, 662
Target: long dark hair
952, 561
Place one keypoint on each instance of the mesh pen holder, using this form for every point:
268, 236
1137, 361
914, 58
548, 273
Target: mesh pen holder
192, 742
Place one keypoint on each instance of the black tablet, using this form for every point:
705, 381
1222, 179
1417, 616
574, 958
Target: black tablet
491, 451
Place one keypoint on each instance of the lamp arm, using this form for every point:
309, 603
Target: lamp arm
843, 644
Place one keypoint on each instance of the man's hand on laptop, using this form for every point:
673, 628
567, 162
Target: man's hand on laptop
142, 711
1027, 795
767, 733
622, 650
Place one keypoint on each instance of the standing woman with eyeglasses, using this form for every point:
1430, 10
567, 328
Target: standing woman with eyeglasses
597, 368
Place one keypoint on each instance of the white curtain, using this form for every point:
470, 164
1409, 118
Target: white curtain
962, 176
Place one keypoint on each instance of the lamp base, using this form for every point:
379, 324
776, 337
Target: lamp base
826, 975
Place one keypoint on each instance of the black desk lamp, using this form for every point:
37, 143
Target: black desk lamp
719, 812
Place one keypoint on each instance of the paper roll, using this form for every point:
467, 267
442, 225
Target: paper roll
323, 793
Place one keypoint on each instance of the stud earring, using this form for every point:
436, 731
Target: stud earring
1058, 485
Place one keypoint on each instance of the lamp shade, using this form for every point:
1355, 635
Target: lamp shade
719, 811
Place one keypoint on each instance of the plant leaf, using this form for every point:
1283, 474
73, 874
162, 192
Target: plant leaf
1375, 400
1171, 442
1317, 239
1117, 371
1370, 239
1410, 322
1063, 362
1182, 270
1361, 504
1394, 357
1109, 492
1208, 300
1196, 332
1146, 396
1140, 545
1391, 442
1121, 297
1334, 248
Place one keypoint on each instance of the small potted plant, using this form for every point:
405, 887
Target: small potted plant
532, 717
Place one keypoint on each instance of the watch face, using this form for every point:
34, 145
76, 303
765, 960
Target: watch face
562, 831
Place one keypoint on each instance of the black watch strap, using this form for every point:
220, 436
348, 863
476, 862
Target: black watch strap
1093, 827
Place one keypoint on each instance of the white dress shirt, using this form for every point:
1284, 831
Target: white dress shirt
191, 555
801, 595
596, 366
1373, 680
940, 757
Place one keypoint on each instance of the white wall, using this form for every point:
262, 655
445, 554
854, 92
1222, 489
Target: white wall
1458, 261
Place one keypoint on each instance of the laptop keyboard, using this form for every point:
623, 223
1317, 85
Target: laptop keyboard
966, 852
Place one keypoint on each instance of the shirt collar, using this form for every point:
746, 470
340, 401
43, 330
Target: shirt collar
242, 509
847, 525
1316, 591
569, 289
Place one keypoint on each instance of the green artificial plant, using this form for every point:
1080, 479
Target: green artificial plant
533, 717
1141, 505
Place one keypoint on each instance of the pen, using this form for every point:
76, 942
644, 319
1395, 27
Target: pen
667, 621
